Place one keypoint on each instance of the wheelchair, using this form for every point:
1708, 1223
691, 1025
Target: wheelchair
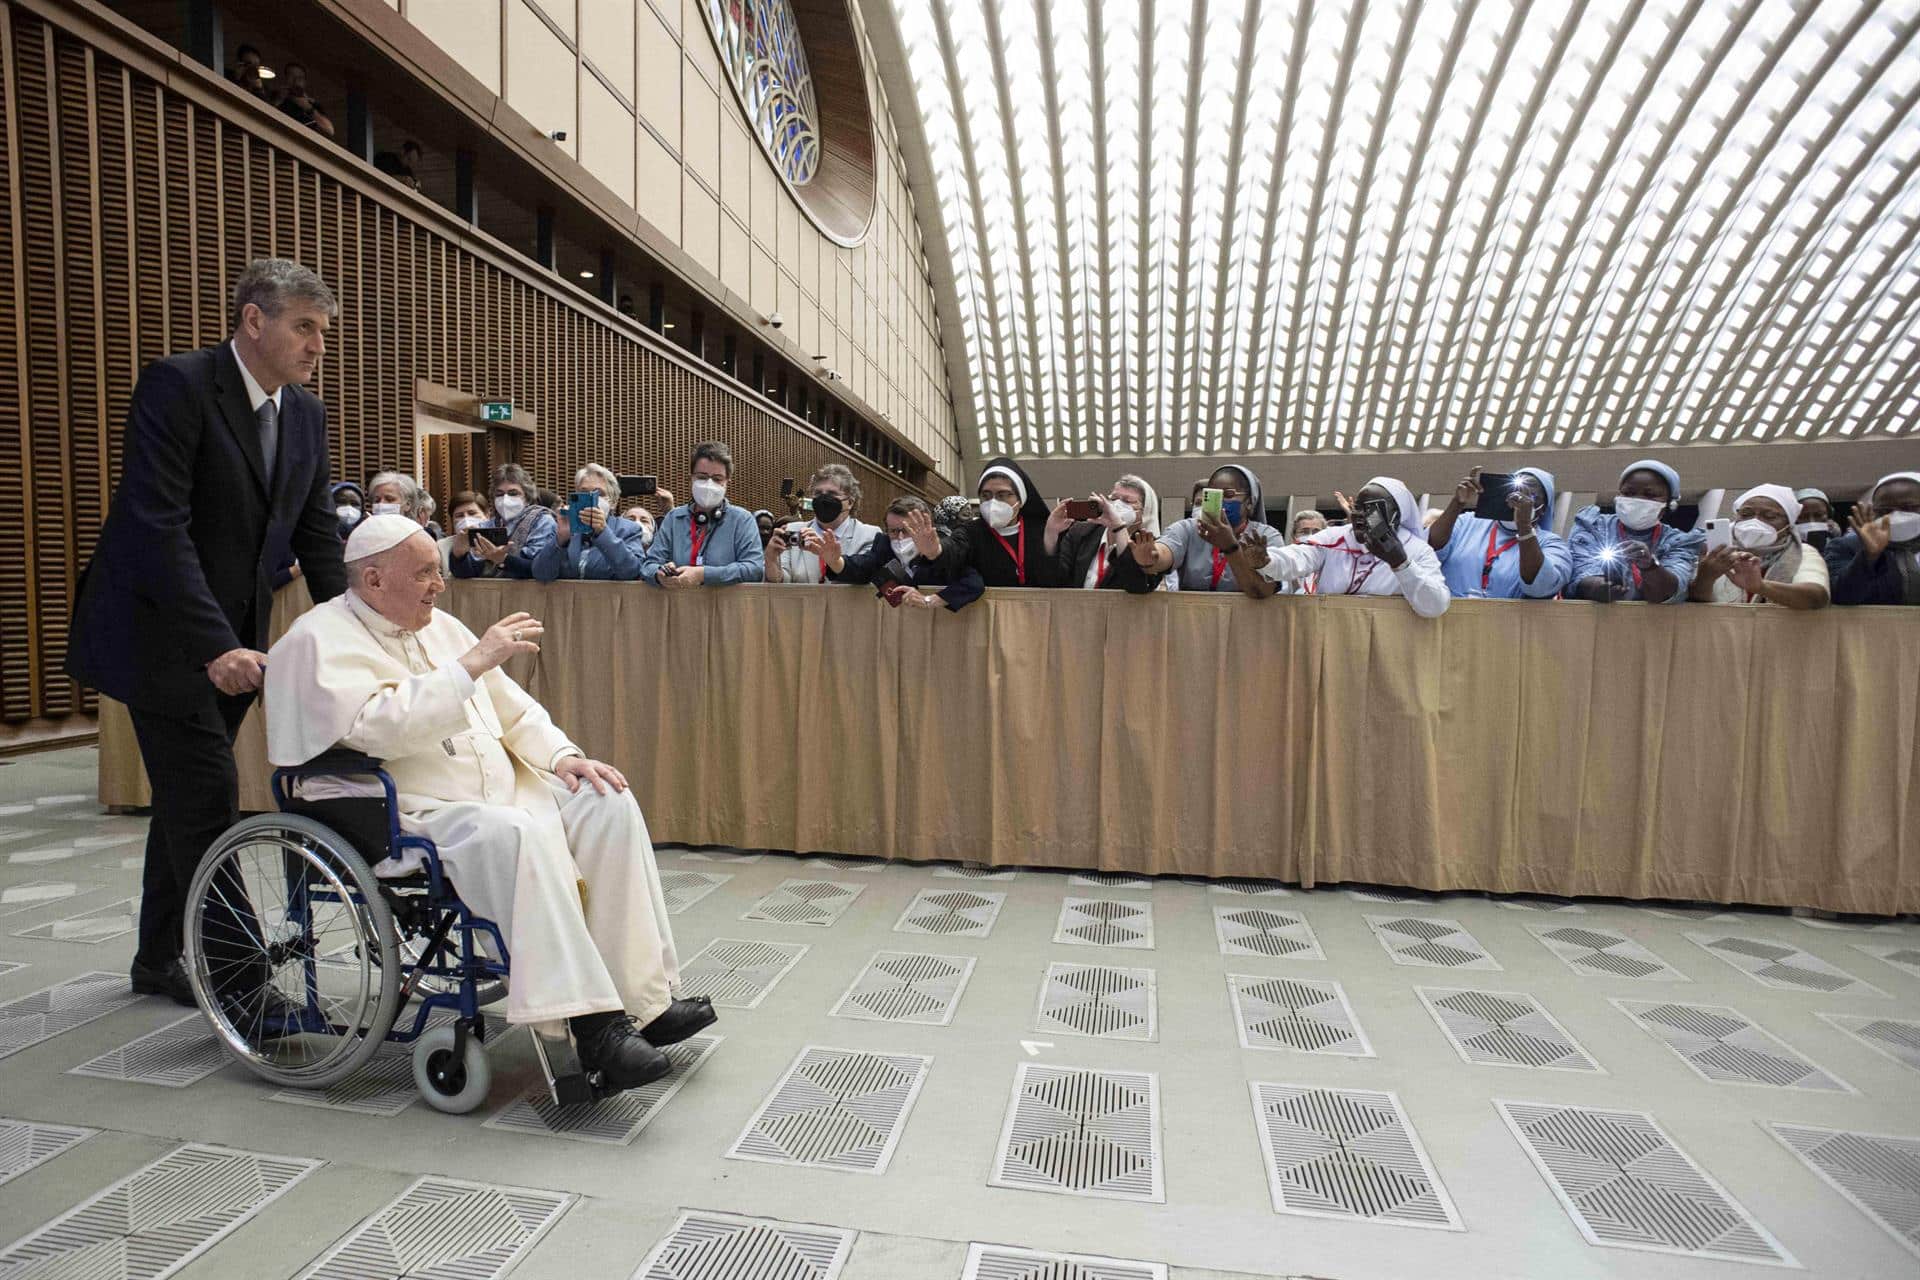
305, 961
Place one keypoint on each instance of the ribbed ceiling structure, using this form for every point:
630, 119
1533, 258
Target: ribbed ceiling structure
1215, 226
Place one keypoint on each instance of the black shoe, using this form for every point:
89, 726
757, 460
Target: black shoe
608, 1044
170, 982
682, 1019
261, 1014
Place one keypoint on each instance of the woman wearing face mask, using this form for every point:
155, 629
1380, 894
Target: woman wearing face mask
1095, 554
349, 506
1631, 554
609, 548
1382, 552
469, 511
530, 530
903, 561
395, 493
1521, 558
1202, 552
1879, 561
832, 534
1815, 526
709, 542
1007, 544
1767, 563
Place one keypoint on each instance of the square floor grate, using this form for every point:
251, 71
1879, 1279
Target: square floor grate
972, 873
613, 1121
835, 1109
1251, 888
809, 902
183, 1052
1725, 1046
1264, 931
1347, 1153
1505, 1029
906, 986
1782, 967
1626, 1185
1082, 1133
737, 973
1429, 942
382, 1087
1542, 904
1879, 1173
955, 913
1099, 1000
1602, 953
158, 1218
24, 1145
1894, 1037
1105, 922
1001, 1262
1109, 880
1308, 1015
1415, 896
870, 865
444, 1227
101, 924
1902, 956
684, 888
721, 1246
29, 1019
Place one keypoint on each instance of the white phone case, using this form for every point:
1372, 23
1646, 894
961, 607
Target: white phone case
1719, 533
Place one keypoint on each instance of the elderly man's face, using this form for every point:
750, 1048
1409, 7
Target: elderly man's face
404, 582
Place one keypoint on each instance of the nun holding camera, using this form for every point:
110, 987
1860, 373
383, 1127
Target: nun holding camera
1631, 553
1383, 552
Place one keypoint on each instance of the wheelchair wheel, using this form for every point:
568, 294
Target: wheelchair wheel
291, 951
450, 1082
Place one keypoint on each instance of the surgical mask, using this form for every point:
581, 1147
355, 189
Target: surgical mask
1903, 526
826, 508
470, 522
348, 513
708, 494
1231, 510
1638, 513
996, 513
1814, 534
1123, 513
508, 506
387, 508
1752, 534
646, 533
902, 549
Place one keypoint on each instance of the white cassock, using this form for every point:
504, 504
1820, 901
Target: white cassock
472, 762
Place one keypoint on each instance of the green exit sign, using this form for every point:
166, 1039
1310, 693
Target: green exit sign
496, 411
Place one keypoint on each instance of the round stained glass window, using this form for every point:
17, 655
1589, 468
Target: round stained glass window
759, 44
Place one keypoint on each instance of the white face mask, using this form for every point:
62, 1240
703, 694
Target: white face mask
347, 512
1124, 513
998, 515
1903, 526
902, 549
387, 508
508, 506
470, 522
1754, 533
708, 494
1638, 513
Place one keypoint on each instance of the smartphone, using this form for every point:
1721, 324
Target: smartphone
1211, 500
1493, 504
575, 505
494, 533
786, 487
1377, 522
1084, 510
638, 486
1719, 533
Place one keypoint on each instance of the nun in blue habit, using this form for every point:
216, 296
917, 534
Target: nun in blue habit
1492, 558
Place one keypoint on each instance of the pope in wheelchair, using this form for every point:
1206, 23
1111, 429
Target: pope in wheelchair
545, 847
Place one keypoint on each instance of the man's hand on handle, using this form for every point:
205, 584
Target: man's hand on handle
238, 671
515, 634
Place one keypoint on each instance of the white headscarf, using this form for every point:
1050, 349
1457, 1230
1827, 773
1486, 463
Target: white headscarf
1778, 493
1013, 477
1411, 527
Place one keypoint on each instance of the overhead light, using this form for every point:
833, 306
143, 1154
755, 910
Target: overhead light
267, 73
586, 275
666, 324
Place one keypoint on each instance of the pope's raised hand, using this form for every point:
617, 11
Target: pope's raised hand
515, 634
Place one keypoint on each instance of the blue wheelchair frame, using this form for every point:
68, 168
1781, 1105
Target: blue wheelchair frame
445, 913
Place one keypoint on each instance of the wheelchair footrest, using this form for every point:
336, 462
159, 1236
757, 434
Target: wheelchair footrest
568, 1082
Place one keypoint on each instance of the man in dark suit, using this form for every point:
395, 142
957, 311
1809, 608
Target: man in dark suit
225, 459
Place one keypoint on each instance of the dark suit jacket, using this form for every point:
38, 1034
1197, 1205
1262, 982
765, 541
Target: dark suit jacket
878, 565
1078, 546
182, 570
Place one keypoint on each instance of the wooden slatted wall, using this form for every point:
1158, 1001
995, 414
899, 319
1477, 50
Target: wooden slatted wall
128, 210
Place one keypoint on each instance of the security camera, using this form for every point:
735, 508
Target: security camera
776, 320
558, 135
834, 375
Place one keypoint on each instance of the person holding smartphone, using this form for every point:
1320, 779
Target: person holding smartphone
1223, 546
523, 530
1383, 551
834, 533
1631, 553
1094, 551
1767, 563
605, 547
1500, 543
709, 542
1878, 562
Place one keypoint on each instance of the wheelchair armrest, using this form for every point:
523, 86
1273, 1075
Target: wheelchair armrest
338, 760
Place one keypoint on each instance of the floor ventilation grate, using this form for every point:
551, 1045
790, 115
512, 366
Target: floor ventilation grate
1897, 1039
1505, 1029
612, 1121
1105, 1001
835, 1109
809, 902
158, 1218
1262, 931
383, 1087
1879, 1173
30, 1019
1082, 1133
1542, 904
1415, 896
24, 1146
684, 888
954, 913
443, 1227
720, 1246
1347, 1153
1782, 967
1429, 942
1905, 958
1723, 1045
1626, 1185
972, 873
1109, 880
1105, 922
906, 986
1604, 954
182, 1053
737, 973
1308, 1015
999, 1262
1251, 888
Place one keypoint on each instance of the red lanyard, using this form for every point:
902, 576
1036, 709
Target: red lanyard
1653, 540
1219, 567
1018, 554
1494, 553
699, 540
1106, 559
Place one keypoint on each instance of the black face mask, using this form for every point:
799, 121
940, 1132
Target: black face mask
826, 508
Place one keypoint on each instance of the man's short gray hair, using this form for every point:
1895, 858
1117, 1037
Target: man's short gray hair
271, 283
414, 502
609, 480
835, 473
